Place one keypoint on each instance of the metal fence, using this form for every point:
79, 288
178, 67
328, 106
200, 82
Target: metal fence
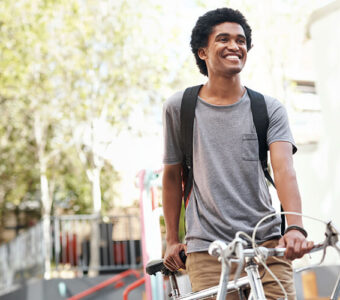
22, 258
116, 241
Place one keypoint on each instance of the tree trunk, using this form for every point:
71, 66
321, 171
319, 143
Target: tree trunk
44, 190
94, 177
2, 209
96, 191
46, 223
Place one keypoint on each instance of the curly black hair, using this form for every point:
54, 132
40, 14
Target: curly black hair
204, 26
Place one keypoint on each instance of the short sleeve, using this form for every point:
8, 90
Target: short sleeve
279, 129
171, 130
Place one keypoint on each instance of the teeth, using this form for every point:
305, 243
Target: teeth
232, 56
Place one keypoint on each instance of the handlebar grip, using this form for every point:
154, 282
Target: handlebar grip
277, 252
182, 256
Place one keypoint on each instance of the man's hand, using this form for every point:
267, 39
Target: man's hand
296, 244
171, 258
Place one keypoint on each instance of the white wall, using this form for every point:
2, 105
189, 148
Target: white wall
319, 170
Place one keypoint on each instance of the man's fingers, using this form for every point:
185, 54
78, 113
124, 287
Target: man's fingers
289, 249
172, 259
310, 245
296, 244
174, 263
179, 262
297, 247
170, 264
281, 243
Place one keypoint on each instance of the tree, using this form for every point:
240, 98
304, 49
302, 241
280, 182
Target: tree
70, 69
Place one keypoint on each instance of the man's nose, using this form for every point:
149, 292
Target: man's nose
232, 45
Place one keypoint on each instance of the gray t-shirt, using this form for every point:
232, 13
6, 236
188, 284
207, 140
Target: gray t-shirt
229, 191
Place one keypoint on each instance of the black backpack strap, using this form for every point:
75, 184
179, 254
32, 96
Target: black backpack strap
261, 122
187, 117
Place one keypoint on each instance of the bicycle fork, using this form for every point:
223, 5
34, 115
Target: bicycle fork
173, 286
256, 287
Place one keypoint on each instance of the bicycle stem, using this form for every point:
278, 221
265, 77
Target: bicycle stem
254, 279
173, 286
222, 290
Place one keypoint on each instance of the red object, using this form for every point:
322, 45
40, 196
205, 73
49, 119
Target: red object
132, 286
119, 253
68, 255
104, 284
119, 284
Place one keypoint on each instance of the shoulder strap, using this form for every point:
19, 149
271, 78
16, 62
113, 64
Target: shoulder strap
187, 117
261, 122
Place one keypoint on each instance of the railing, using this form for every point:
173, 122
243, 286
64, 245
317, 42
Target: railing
114, 239
22, 258
104, 284
118, 242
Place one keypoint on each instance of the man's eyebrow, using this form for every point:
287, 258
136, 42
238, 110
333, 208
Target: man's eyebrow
223, 34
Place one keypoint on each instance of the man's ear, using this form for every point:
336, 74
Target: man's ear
202, 53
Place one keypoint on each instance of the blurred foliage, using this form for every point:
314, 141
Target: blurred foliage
72, 71
69, 69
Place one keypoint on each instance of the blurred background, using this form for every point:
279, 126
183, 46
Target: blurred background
82, 84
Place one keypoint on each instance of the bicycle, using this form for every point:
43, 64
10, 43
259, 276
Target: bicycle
235, 252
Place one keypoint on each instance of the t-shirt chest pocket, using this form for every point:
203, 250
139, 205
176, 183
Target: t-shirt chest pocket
250, 148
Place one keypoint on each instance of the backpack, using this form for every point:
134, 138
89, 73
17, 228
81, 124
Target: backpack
187, 115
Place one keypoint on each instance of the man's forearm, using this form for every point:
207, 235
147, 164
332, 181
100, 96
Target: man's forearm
285, 180
172, 201
288, 193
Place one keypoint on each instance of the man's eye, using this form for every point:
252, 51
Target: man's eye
241, 42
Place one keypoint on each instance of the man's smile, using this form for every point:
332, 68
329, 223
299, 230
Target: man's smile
233, 57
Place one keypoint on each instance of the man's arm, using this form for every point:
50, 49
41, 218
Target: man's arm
288, 193
172, 203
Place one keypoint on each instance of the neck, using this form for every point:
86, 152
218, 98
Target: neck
222, 90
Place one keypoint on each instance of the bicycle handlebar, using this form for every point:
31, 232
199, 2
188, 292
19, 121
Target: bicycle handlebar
220, 249
235, 250
277, 251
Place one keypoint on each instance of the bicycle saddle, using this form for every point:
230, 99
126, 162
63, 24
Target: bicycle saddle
157, 265
154, 266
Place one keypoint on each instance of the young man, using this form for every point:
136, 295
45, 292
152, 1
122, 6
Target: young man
229, 191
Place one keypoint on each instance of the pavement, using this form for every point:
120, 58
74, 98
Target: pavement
58, 289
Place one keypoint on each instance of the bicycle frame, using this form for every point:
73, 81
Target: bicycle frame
234, 252
243, 283
252, 280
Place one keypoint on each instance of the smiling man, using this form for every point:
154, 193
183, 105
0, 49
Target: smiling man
229, 191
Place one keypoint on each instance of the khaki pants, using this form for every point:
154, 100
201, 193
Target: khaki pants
204, 272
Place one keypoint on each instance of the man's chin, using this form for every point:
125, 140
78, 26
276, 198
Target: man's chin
233, 71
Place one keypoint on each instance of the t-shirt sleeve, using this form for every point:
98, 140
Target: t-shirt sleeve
278, 129
171, 130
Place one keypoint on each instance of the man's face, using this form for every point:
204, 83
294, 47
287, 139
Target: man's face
226, 53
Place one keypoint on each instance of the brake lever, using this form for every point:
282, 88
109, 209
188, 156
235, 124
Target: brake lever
333, 233
239, 253
331, 239
217, 249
